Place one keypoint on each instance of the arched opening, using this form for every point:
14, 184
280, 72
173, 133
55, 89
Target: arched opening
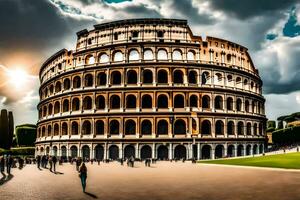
219, 151
77, 82
131, 77
114, 127
162, 54
247, 106
113, 152
146, 127
51, 89
162, 127
100, 102
75, 104
130, 127
58, 87
130, 101
86, 128
206, 152
115, 102
56, 129
255, 149
162, 152
101, 79
118, 56
179, 101
146, 101
240, 150
134, 55
192, 77
179, 127
260, 127
85, 152
67, 84
261, 148
63, 152
147, 76
49, 131
129, 151
66, 106
191, 55
178, 77
74, 151
240, 128
230, 151
204, 78
148, 54
180, 152
206, 127
177, 55
248, 150
115, 78
162, 76
162, 101
194, 101
87, 103
146, 152
88, 80
89, 60
64, 128
229, 103
255, 129
99, 127
248, 128
99, 152
230, 128
218, 102
205, 102
238, 104
74, 128
103, 58
56, 107
219, 127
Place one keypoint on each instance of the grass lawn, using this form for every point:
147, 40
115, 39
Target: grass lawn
288, 161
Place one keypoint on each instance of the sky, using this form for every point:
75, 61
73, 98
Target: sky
33, 30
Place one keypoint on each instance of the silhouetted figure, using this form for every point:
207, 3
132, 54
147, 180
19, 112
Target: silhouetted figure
38, 161
78, 163
2, 164
9, 162
50, 163
83, 175
54, 161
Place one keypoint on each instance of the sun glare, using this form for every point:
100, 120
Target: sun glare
17, 77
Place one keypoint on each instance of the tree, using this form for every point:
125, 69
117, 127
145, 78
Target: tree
6, 129
10, 128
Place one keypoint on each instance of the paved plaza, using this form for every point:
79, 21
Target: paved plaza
163, 180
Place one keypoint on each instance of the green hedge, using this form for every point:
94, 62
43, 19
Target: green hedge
22, 151
25, 135
286, 136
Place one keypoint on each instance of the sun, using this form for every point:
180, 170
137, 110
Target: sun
17, 77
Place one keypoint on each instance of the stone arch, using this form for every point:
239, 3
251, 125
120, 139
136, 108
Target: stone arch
75, 128
240, 150
115, 78
130, 127
162, 101
76, 82
230, 128
180, 152
101, 79
163, 152
162, 76
230, 151
178, 77
64, 128
115, 102
194, 101
229, 103
146, 152
130, 101
147, 76
179, 101
56, 107
75, 104
192, 77
162, 54
218, 102
67, 84
88, 80
162, 127
114, 127
205, 101
87, 103
146, 101
113, 152
66, 106
206, 127
99, 152
74, 151
99, 127
219, 151
58, 86
179, 127
85, 152
240, 127
131, 77
206, 152
100, 102
146, 127
129, 151
219, 127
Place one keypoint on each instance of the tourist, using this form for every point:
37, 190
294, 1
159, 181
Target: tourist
54, 161
98, 160
78, 163
2, 164
38, 161
9, 162
50, 163
83, 175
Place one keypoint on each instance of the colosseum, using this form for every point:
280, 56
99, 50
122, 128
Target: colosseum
150, 88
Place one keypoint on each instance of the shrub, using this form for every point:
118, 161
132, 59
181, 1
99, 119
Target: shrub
286, 136
25, 135
22, 151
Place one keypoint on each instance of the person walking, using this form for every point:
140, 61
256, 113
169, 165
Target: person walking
54, 161
9, 162
50, 163
38, 161
83, 175
2, 164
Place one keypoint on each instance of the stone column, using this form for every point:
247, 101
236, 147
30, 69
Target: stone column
198, 151
170, 151
153, 151
137, 151
105, 151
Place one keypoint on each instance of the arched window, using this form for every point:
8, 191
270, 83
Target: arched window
190, 55
160, 34
247, 106
218, 78
114, 127
74, 128
115, 102
64, 128
238, 81
88, 80
147, 76
179, 101
116, 78
218, 102
146, 127
58, 87
192, 77
194, 101
77, 82
219, 127
134, 55
162, 101
66, 106
230, 128
146, 101
260, 127
100, 102
178, 76
56, 129
162, 76
248, 128
130, 101
205, 101
162, 127
50, 109
240, 128
148, 54
44, 111
177, 55
229, 79
103, 58
75, 104
51, 89
229, 103
86, 128
101, 79
204, 78
67, 84
118, 56
56, 107
130, 127
49, 130
131, 77
162, 54
89, 60
179, 127
255, 129
99, 127
206, 127
87, 103
245, 83
238, 104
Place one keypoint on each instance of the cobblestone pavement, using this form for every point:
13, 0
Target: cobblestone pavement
164, 180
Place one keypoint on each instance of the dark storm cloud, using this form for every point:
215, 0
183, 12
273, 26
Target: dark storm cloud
141, 11
246, 9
